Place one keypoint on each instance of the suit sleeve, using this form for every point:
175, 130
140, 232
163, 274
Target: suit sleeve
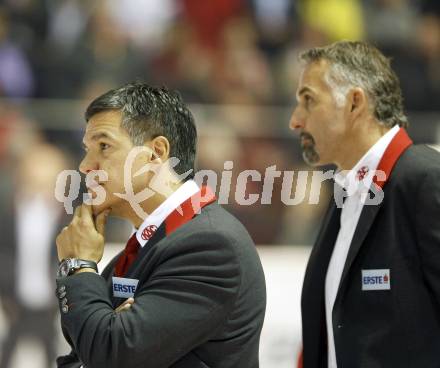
185, 302
428, 231
71, 360
68, 361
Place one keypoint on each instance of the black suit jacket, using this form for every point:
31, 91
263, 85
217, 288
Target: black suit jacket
200, 302
399, 327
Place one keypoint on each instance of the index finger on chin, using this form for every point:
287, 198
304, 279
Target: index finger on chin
86, 212
77, 214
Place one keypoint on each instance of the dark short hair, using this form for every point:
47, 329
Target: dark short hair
149, 112
359, 64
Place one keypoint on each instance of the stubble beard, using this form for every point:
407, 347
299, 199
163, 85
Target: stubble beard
310, 155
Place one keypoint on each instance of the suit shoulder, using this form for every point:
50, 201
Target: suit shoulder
215, 230
214, 219
416, 164
420, 158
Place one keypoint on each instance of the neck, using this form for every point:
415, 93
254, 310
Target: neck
149, 206
359, 142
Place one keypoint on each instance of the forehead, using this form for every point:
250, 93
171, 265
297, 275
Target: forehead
313, 77
105, 123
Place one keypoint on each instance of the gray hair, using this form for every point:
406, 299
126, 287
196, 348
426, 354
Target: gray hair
359, 64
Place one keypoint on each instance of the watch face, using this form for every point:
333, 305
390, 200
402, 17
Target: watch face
65, 267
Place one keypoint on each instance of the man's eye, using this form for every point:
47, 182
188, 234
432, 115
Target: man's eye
104, 146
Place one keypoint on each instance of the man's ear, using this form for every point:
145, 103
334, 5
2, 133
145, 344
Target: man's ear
160, 147
357, 103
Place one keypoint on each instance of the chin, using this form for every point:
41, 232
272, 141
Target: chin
312, 158
314, 164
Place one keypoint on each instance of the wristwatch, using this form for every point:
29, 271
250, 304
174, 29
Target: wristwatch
69, 265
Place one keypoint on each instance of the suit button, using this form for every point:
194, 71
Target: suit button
62, 295
61, 289
65, 309
340, 326
64, 302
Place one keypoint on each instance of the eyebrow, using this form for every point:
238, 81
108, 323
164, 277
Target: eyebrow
304, 90
99, 135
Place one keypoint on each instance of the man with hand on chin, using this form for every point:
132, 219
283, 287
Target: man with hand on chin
189, 282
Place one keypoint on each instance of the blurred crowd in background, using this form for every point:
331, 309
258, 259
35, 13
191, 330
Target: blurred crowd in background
228, 51
234, 61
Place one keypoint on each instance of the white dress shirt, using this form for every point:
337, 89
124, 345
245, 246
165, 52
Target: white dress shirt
356, 182
158, 216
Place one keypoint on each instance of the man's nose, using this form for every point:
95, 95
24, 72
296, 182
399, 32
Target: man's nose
296, 121
87, 165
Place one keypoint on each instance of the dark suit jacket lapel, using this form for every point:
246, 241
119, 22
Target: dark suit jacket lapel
186, 211
395, 149
157, 237
131, 272
189, 208
366, 220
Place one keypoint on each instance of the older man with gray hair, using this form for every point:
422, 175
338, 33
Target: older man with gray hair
371, 292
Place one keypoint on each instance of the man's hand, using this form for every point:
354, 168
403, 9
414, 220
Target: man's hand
84, 237
125, 306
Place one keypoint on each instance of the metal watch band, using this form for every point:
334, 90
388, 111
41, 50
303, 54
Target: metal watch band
82, 263
69, 265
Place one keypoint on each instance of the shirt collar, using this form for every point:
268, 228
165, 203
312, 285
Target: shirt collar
158, 216
361, 175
